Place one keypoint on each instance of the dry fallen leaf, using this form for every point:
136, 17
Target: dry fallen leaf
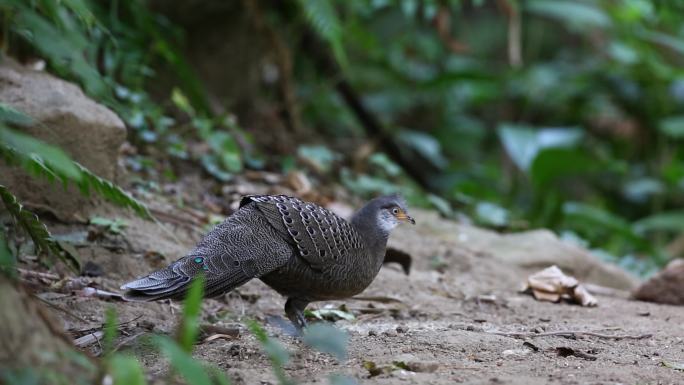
551, 284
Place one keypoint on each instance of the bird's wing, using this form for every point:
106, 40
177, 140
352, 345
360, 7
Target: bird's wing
243, 247
322, 239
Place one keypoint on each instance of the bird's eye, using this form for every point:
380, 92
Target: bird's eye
395, 211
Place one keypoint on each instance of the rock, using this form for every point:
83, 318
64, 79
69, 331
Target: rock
665, 287
500, 260
89, 132
413, 364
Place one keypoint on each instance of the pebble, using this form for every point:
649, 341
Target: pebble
402, 329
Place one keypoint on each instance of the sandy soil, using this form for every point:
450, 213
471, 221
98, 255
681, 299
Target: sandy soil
440, 323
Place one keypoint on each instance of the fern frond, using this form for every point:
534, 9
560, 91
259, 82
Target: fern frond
322, 17
49, 162
7, 260
110, 192
37, 230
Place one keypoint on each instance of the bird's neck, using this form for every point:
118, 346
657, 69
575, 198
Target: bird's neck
371, 232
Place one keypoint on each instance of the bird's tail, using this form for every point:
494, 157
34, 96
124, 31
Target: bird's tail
174, 281
164, 283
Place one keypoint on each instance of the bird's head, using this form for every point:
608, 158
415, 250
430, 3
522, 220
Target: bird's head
388, 211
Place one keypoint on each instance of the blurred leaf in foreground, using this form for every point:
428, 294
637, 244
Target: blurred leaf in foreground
126, 370
275, 351
327, 339
191, 369
192, 306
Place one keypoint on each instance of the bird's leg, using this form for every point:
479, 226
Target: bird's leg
294, 308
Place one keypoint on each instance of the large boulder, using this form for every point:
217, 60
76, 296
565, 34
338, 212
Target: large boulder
502, 260
89, 132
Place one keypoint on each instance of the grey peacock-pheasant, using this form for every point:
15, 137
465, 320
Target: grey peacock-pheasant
303, 251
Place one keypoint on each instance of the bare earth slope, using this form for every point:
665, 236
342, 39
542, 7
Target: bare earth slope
440, 323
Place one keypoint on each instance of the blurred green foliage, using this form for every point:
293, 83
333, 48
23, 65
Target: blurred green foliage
582, 135
523, 113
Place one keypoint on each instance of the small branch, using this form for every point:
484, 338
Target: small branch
570, 333
512, 11
442, 24
127, 341
88, 339
37, 274
56, 307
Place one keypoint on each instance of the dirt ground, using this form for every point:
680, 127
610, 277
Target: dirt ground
439, 321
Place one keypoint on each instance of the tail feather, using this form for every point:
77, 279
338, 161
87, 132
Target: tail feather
243, 247
172, 282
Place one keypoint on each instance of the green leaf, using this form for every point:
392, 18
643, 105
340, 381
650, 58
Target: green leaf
7, 261
490, 214
672, 126
126, 370
182, 102
219, 376
669, 221
673, 42
191, 369
592, 216
110, 192
110, 331
322, 16
10, 115
327, 339
523, 143
553, 163
426, 145
63, 47
275, 351
37, 231
320, 157
575, 14
52, 163
30, 149
114, 226
189, 327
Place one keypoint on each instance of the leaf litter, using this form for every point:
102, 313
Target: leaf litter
552, 285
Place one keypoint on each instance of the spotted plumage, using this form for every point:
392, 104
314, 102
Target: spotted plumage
302, 250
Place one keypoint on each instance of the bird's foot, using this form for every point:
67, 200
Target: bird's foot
294, 308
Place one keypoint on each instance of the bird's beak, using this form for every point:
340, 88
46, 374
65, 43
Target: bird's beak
406, 217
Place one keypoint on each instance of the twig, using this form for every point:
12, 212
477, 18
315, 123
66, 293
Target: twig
190, 221
98, 293
88, 339
65, 311
126, 341
373, 298
574, 333
38, 274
